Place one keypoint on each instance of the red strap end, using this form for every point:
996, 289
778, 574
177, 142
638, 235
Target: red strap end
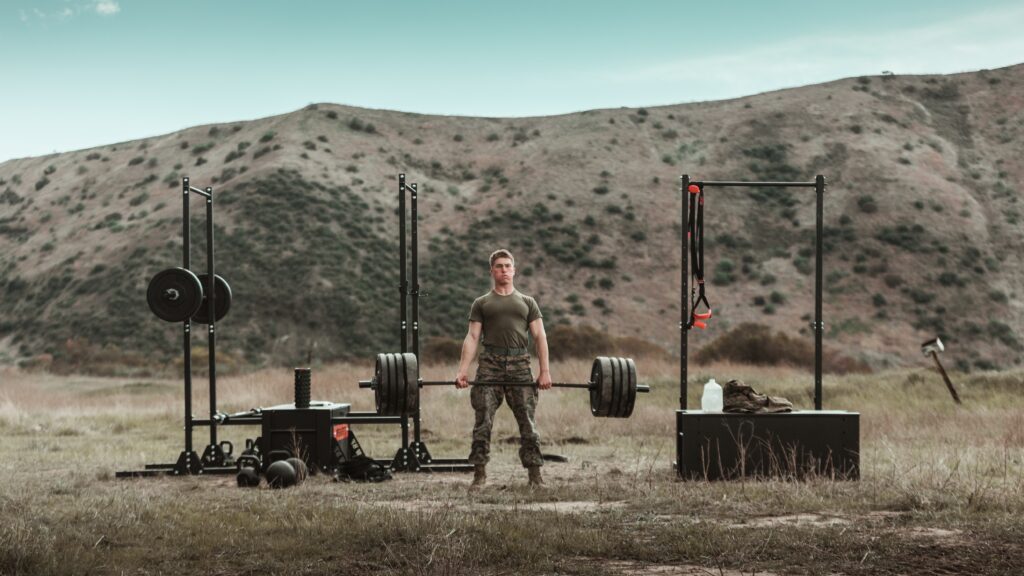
704, 316
694, 189
700, 324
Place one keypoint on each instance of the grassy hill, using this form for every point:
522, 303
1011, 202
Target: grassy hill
923, 223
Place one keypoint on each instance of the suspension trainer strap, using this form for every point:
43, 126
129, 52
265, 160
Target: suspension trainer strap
695, 233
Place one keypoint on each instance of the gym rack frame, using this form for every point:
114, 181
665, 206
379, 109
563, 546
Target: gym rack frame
217, 456
728, 445
414, 456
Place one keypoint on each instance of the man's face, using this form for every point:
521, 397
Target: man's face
503, 271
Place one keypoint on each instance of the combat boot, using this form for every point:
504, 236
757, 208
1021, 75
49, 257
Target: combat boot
479, 477
536, 481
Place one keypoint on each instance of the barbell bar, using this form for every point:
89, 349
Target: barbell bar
613, 385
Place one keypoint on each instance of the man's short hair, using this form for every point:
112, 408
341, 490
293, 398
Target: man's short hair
502, 253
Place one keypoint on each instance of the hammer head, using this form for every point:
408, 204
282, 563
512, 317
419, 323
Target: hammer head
932, 346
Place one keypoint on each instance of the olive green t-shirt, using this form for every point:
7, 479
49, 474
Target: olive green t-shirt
505, 319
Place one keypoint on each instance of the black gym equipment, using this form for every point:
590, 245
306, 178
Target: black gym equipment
396, 384
414, 456
318, 432
723, 445
222, 300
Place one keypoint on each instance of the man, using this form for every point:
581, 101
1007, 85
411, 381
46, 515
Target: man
504, 317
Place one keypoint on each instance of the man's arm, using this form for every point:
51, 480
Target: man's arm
469, 346
541, 339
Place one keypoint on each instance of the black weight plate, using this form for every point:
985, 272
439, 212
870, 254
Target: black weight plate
411, 377
380, 379
174, 294
632, 381
400, 385
394, 399
618, 377
221, 304
601, 392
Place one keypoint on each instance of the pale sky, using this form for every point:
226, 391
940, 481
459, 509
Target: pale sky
83, 73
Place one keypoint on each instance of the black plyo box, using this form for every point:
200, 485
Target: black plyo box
719, 446
309, 431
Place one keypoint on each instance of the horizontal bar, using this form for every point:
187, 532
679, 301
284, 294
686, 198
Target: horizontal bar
587, 386
198, 191
367, 420
237, 421
756, 184
444, 461
640, 388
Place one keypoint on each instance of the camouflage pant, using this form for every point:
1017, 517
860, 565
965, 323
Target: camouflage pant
522, 400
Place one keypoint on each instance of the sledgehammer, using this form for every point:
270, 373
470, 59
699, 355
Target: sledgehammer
932, 348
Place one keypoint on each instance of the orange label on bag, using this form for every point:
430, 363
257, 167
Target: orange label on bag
340, 431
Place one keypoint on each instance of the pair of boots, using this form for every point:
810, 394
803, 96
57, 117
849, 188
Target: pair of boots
480, 477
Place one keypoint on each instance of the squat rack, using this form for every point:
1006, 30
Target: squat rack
684, 324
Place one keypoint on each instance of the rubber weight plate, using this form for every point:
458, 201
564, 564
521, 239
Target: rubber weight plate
410, 382
383, 382
630, 389
624, 383
601, 386
221, 304
174, 294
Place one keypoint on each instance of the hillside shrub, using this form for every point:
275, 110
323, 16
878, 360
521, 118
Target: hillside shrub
751, 343
202, 148
137, 160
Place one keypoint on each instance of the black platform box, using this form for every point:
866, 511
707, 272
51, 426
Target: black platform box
717, 446
306, 431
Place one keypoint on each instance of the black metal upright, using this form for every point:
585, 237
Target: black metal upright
211, 296
186, 261
819, 327
403, 284
414, 232
684, 307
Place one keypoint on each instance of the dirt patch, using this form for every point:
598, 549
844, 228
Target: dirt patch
792, 520
940, 536
637, 569
576, 507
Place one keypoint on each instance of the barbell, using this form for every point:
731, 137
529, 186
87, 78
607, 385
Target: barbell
396, 385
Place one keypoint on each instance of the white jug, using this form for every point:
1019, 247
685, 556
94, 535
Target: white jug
712, 399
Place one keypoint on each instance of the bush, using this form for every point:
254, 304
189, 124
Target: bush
751, 343
202, 148
577, 342
137, 160
601, 190
867, 204
41, 183
267, 136
493, 137
724, 272
442, 349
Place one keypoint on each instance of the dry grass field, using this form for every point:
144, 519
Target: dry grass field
942, 488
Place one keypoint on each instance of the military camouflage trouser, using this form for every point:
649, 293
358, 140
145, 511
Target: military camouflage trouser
522, 401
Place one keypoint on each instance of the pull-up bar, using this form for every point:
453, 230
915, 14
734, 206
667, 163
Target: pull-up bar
755, 184
684, 325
